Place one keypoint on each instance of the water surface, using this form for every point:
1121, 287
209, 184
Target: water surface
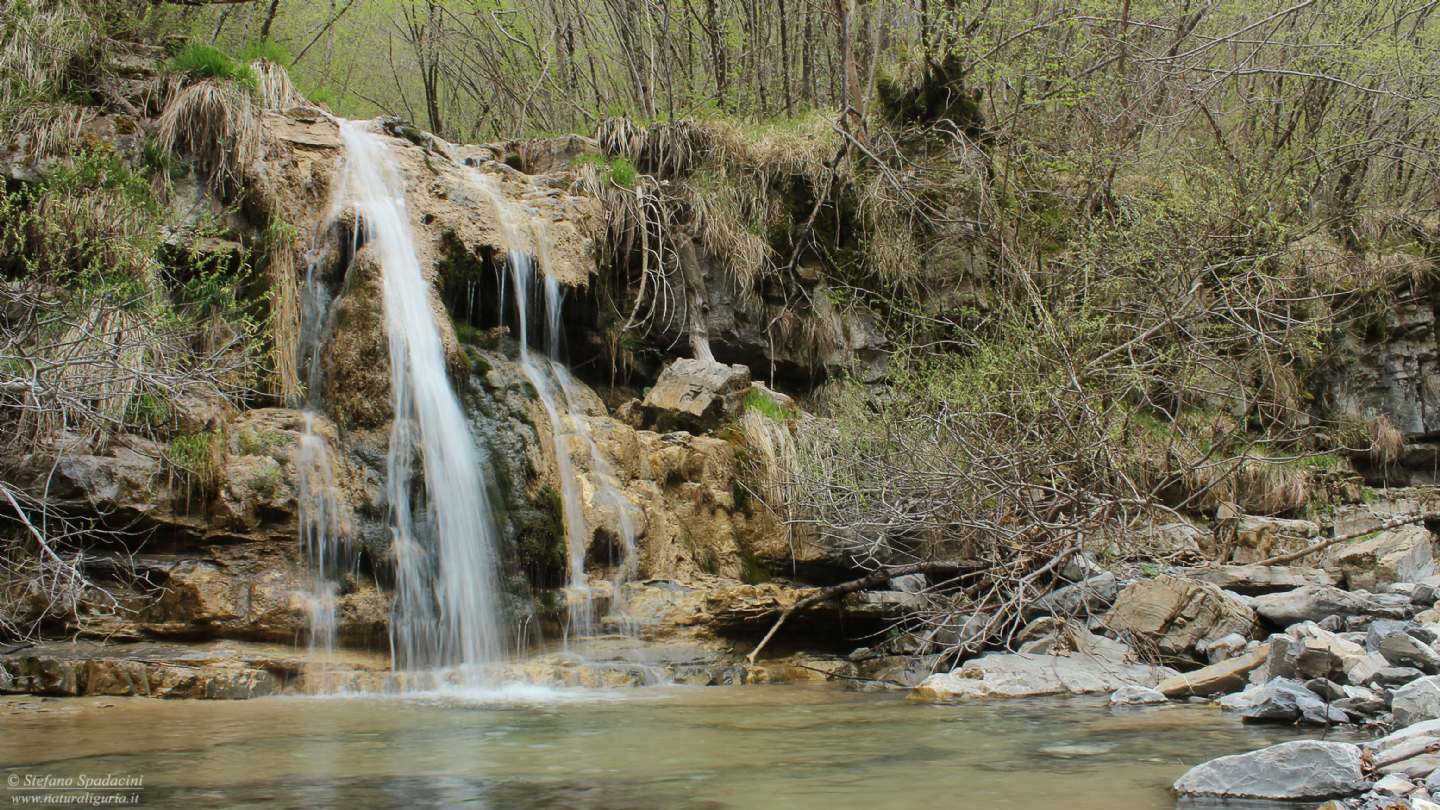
716, 748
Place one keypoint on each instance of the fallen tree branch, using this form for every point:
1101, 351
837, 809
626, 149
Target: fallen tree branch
1393, 523
844, 588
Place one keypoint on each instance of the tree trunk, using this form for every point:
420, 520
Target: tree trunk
269, 20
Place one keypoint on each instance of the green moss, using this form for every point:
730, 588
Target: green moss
149, 410
201, 61
540, 546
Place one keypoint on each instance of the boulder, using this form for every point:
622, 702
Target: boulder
1004, 675
1257, 538
1225, 647
1226, 676
1398, 555
1173, 615
1308, 650
1315, 602
1424, 730
1257, 579
1394, 785
1381, 628
1416, 701
1404, 650
1393, 676
1305, 769
1282, 701
696, 395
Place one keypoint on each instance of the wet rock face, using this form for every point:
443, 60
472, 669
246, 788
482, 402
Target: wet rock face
144, 670
220, 559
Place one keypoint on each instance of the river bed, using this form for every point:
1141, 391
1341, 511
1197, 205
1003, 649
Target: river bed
692, 748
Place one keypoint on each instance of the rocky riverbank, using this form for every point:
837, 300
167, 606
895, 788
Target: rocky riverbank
1345, 635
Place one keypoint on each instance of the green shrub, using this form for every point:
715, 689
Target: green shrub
259, 442
617, 170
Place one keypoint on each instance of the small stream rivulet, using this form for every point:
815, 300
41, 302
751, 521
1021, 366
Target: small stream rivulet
666, 747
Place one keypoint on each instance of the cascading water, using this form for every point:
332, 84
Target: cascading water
324, 536
579, 598
324, 525
556, 388
444, 538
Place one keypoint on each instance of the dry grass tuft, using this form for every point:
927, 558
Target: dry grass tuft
284, 319
1386, 441
42, 44
217, 124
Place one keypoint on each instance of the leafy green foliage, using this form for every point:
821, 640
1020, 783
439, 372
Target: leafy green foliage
268, 479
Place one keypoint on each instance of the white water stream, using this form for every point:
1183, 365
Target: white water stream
562, 399
445, 539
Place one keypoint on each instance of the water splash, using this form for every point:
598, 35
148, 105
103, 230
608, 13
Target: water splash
446, 609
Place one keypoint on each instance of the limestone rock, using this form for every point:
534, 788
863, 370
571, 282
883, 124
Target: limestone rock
1175, 614
1315, 602
1257, 579
1307, 650
1258, 537
1223, 648
1404, 650
696, 394
1055, 635
1399, 555
1282, 700
1004, 675
1226, 676
1305, 769
1416, 701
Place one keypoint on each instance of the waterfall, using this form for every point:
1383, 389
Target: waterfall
560, 397
446, 609
324, 526
324, 536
